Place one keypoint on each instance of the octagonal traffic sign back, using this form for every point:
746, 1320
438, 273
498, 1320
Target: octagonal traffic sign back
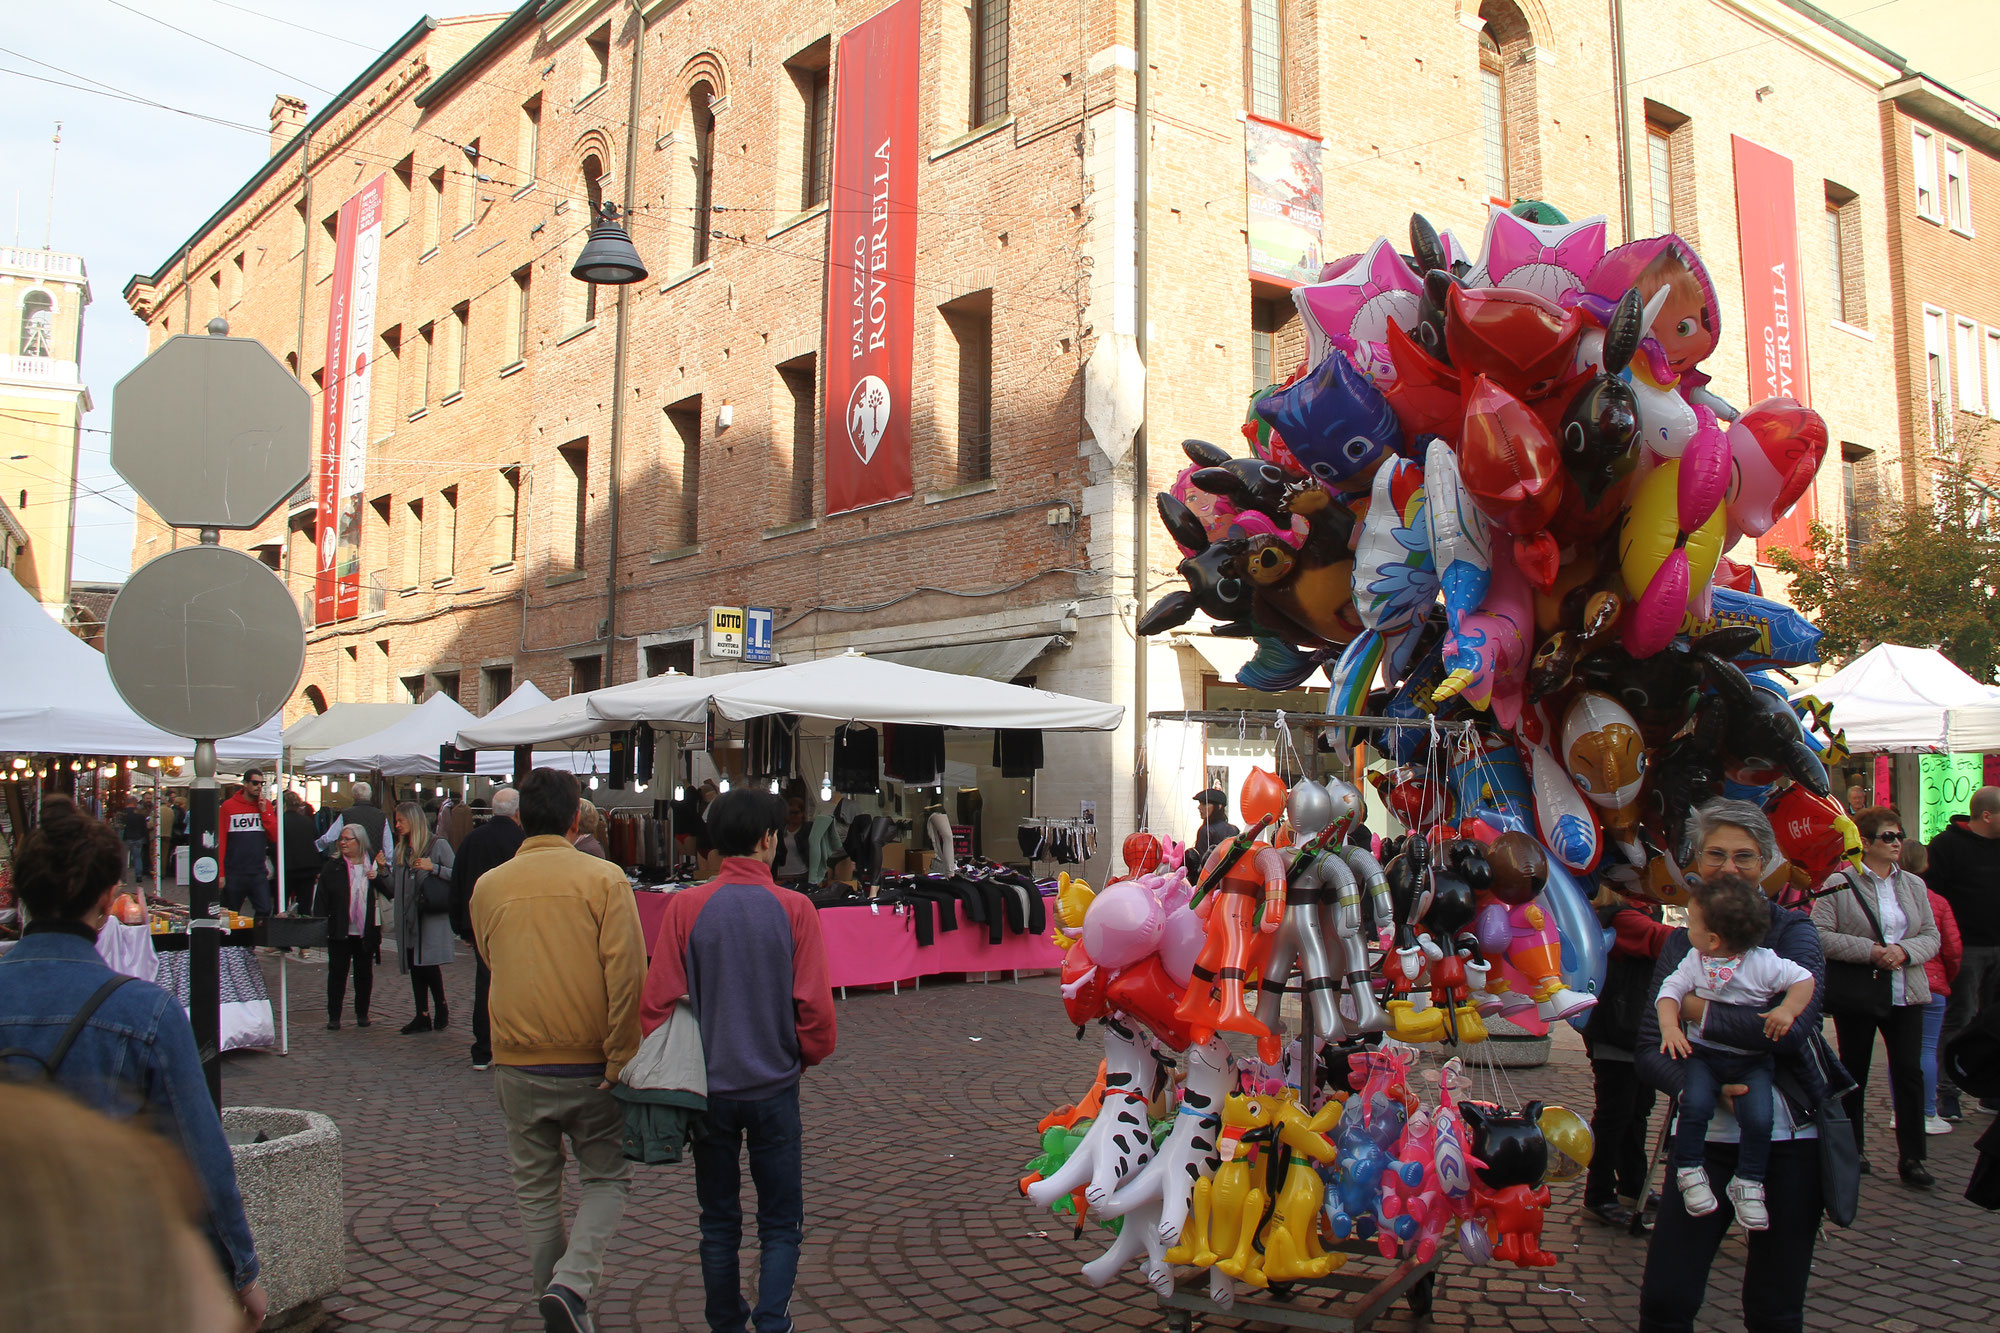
212, 432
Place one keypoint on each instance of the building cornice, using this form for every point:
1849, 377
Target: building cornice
1935, 104
1824, 36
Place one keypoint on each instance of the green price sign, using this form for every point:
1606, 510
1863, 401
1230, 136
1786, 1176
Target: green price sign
1947, 782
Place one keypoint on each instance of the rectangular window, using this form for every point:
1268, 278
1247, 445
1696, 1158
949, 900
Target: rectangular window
1967, 347
1834, 267
586, 674
447, 534
1923, 159
413, 688
814, 82
236, 281
1857, 488
445, 683
330, 224
528, 151
461, 342
468, 188
680, 442
375, 553
1268, 316
989, 60
575, 478
1659, 167
434, 211
1993, 371
413, 543
426, 362
1846, 274
968, 348
507, 516
1266, 57
598, 72
518, 314
396, 208
1493, 131
664, 657
1936, 358
388, 380
495, 684
215, 294
1957, 203
800, 381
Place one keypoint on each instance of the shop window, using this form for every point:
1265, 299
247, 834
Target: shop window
507, 516
447, 533
586, 674
1923, 159
965, 384
1670, 170
574, 477
800, 380
1846, 276
528, 146
680, 450
495, 684
989, 60
1264, 57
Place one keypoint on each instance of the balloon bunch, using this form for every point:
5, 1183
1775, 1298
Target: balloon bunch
1501, 491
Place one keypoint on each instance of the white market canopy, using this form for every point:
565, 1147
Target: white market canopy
848, 688
58, 697
1910, 700
340, 725
408, 746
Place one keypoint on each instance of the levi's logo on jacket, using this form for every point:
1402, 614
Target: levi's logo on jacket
246, 822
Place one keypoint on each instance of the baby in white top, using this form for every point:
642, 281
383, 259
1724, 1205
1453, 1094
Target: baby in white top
1727, 917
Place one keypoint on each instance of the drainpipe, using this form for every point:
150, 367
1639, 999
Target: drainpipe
305, 249
618, 352
1624, 113
1141, 483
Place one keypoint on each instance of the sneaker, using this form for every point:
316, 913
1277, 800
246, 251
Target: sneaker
421, 1023
482, 1065
1611, 1213
1936, 1124
1948, 1108
1747, 1197
563, 1311
1696, 1196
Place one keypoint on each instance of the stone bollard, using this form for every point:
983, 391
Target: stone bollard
1513, 1047
291, 1185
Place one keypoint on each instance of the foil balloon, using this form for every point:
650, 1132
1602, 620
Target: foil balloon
1336, 423
1815, 834
1149, 994
1459, 537
1550, 261
1600, 424
1351, 678
1512, 469
1567, 822
1523, 343
1784, 638
1777, 447
1488, 651
1309, 808
1262, 796
1606, 756
1359, 297
1141, 853
1571, 1145
1425, 393
1671, 540
1684, 318
1395, 582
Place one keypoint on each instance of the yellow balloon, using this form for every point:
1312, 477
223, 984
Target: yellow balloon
1571, 1144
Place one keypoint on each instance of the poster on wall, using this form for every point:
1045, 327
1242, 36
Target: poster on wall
1774, 304
1946, 783
343, 436
871, 261
1282, 169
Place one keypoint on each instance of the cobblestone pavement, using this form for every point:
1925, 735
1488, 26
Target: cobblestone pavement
917, 1130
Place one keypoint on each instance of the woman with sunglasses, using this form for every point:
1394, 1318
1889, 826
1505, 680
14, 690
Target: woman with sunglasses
1881, 915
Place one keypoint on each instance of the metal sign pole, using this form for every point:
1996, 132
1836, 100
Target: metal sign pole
284, 884
204, 929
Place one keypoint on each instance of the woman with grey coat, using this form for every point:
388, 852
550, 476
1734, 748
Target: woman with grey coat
423, 938
1880, 915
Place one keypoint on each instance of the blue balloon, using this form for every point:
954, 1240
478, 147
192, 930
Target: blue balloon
1784, 637
1335, 422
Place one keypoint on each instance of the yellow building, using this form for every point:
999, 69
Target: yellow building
42, 402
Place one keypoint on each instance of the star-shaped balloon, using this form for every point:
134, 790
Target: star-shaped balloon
1360, 301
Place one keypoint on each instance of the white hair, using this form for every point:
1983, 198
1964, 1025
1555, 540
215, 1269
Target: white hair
363, 791
506, 803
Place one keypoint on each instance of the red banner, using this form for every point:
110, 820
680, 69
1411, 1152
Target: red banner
1774, 303
871, 261
343, 436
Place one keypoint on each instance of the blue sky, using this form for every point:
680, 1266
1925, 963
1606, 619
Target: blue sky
133, 181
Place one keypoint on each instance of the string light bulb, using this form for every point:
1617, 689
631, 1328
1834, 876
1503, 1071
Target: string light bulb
826, 789
593, 782
722, 785
680, 792
774, 786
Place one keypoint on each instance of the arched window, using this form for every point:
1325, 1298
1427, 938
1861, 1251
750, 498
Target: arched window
1509, 112
317, 698
593, 193
701, 157
38, 324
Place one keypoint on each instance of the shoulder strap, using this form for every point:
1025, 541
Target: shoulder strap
1861, 901
76, 1024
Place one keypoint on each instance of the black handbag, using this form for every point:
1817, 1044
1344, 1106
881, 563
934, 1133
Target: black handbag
1839, 1164
1859, 990
433, 889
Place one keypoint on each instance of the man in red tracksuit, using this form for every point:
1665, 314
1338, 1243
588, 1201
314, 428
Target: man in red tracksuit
244, 846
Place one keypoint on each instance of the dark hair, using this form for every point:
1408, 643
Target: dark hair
256, 773
738, 820
1734, 908
1874, 819
549, 801
66, 862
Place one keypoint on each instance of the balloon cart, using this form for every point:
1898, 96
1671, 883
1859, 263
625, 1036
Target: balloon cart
1343, 1302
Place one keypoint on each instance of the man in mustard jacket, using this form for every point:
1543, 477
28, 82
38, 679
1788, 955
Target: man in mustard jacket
560, 931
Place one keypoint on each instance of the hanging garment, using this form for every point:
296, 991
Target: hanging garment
857, 760
643, 758
913, 755
1017, 754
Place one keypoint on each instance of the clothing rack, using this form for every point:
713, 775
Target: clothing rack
1268, 717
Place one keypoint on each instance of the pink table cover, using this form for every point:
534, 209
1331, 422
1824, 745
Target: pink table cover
865, 947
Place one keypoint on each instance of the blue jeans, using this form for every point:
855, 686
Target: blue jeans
1708, 1072
1933, 1028
771, 1125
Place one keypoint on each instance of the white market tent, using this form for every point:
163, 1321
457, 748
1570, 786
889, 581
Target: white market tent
339, 726
1909, 700
59, 699
569, 718
408, 745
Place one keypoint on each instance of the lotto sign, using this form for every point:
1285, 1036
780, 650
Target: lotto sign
757, 623
725, 631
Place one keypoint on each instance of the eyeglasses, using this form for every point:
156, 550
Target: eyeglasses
1892, 835
1715, 858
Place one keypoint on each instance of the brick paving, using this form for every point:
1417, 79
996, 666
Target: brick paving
917, 1130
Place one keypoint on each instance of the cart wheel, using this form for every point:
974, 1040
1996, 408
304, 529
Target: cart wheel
1180, 1321
1422, 1294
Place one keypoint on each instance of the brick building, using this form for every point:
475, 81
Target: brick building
492, 500
1941, 158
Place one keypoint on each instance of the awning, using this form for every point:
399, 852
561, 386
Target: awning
339, 725
857, 688
996, 659
1909, 699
